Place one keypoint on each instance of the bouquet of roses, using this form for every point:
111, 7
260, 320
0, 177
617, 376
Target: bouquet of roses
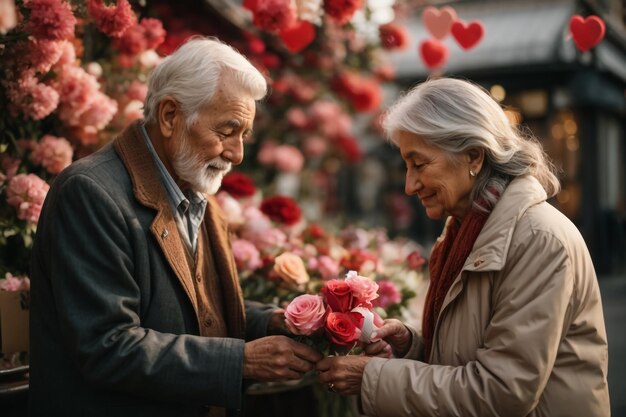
341, 316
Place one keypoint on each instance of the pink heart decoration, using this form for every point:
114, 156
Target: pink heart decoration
588, 32
468, 35
298, 36
438, 22
433, 53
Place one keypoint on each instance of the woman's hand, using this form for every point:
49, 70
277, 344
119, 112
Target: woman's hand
342, 374
393, 333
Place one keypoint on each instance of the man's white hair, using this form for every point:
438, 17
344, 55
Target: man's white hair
192, 74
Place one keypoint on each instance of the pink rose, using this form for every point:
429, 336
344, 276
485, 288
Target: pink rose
415, 260
290, 268
327, 267
338, 295
305, 314
364, 290
388, 294
246, 255
288, 158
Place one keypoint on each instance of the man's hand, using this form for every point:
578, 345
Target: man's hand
276, 324
394, 333
278, 357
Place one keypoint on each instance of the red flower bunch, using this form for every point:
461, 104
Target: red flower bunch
281, 209
342, 313
274, 15
341, 11
238, 185
357, 257
393, 36
51, 19
113, 21
363, 92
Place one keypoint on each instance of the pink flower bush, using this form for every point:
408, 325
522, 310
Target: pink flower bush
305, 315
54, 154
26, 193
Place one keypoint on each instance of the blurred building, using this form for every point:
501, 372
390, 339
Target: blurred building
574, 102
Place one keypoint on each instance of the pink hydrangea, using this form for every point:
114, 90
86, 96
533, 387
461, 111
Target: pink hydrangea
26, 193
68, 54
77, 90
288, 158
41, 54
388, 294
133, 41
50, 19
13, 283
137, 91
31, 98
274, 15
54, 154
112, 20
8, 16
305, 315
364, 290
247, 256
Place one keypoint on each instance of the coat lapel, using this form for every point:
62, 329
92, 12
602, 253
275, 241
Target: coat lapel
150, 192
217, 229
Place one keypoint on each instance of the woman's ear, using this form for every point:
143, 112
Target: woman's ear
475, 159
167, 116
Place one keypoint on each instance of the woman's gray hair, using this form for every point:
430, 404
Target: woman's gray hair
456, 115
191, 76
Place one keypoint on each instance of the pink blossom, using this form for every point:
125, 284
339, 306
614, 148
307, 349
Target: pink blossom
31, 98
50, 19
68, 54
137, 91
54, 154
77, 90
288, 158
363, 289
133, 41
26, 193
327, 267
8, 16
297, 117
100, 111
266, 240
388, 294
231, 208
415, 260
154, 34
13, 283
112, 20
266, 153
41, 54
305, 315
247, 256
314, 146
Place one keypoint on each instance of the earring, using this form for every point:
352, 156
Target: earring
472, 173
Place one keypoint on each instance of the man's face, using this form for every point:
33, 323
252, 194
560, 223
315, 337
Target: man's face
206, 151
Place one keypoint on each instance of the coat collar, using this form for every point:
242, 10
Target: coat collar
492, 245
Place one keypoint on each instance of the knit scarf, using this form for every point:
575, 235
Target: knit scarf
446, 261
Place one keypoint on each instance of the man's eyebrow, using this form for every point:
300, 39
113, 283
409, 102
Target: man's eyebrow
232, 123
412, 154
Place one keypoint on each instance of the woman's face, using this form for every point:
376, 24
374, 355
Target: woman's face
442, 184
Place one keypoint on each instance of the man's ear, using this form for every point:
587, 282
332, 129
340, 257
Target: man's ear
167, 116
475, 158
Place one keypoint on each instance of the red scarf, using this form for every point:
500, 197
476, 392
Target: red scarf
446, 261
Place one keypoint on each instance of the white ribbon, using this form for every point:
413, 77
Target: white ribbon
368, 323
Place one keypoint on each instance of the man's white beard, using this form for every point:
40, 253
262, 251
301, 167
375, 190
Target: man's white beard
204, 177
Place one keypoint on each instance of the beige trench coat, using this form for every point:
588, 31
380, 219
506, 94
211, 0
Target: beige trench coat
521, 330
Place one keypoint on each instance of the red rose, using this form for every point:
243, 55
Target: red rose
356, 258
238, 185
274, 15
281, 209
344, 328
338, 295
393, 36
341, 11
415, 260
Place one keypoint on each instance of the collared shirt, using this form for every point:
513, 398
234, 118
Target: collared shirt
188, 207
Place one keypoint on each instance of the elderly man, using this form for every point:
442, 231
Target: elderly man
136, 307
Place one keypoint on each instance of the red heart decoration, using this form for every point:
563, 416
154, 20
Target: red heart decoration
468, 35
438, 22
299, 36
588, 32
433, 53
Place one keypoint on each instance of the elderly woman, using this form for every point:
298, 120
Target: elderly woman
513, 321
